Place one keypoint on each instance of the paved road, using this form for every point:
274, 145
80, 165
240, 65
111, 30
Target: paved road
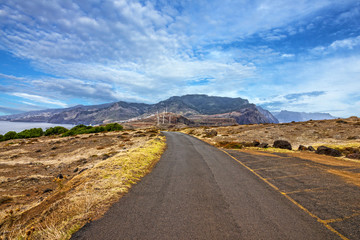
199, 192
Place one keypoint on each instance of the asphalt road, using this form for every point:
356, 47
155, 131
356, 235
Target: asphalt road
199, 192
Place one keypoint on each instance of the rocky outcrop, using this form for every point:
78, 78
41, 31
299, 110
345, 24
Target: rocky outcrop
328, 151
282, 144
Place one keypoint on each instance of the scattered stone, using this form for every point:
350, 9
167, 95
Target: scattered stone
328, 151
211, 133
256, 143
53, 148
139, 135
263, 145
341, 121
39, 150
76, 169
47, 190
82, 170
302, 148
282, 144
60, 176
311, 148
353, 155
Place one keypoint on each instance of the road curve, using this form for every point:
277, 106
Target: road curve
198, 192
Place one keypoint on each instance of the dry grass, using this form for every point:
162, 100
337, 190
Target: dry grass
83, 198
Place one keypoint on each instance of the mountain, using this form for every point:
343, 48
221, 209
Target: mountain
288, 116
194, 106
268, 115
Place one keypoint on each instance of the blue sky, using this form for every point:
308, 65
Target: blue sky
302, 56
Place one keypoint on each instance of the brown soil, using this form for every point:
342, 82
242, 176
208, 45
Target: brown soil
338, 132
29, 167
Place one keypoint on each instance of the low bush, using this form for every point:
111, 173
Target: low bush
82, 129
55, 131
31, 133
10, 135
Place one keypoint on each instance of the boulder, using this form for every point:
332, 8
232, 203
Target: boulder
263, 145
302, 148
311, 148
282, 144
60, 176
328, 151
353, 155
210, 133
256, 143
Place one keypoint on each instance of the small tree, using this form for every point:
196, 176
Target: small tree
10, 135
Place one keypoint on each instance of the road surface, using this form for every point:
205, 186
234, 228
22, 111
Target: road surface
199, 192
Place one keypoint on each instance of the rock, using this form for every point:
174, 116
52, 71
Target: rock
263, 145
211, 133
39, 150
60, 176
47, 190
311, 148
82, 170
353, 155
328, 151
256, 143
302, 148
53, 148
76, 169
282, 144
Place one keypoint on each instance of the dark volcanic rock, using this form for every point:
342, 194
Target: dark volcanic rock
211, 133
302, 148
256, 143
353, 155
263, 145
60, 176
282, 144
47, 190
328, 151
311, 148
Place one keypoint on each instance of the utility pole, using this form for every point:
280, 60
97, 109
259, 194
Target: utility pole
163, 117
157, 116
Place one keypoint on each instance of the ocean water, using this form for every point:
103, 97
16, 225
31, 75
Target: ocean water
6, 126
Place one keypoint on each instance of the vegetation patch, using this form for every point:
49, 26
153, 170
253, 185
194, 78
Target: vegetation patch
79, 129
84, 197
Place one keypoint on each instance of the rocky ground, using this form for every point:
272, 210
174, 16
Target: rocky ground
31, 170
340, 134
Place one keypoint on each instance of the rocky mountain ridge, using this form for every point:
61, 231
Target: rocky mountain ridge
189, 106
289, 116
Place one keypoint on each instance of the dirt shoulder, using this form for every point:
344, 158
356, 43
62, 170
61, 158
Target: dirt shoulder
51, 186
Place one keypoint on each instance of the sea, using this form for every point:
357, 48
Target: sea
6, 126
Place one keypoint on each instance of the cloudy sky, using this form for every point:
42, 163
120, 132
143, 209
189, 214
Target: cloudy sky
299, 55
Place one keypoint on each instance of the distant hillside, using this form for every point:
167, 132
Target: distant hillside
288, 116
190, 106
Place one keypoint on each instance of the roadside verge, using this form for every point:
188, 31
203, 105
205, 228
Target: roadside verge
85, 197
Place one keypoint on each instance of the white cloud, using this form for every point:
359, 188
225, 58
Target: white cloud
123, 50
5, 76
39, 99
348, 43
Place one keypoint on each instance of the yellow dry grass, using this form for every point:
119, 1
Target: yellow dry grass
85, 197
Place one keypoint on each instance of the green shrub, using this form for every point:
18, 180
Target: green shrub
10, 135
82, 129
1, 137
113, 127
31, 133
55, 131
